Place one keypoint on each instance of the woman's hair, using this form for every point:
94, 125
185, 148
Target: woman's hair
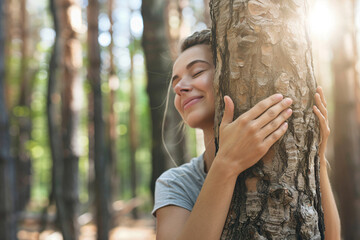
197, 38
202, 37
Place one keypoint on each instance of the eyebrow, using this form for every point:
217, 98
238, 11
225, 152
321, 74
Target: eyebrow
189, 66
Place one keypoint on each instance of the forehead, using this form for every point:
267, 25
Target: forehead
197, 52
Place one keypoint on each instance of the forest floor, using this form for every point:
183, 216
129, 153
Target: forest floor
127, 229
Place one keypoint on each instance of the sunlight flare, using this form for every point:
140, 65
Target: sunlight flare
322, 19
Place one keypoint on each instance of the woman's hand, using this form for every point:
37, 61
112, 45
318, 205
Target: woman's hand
322, 114
244, 141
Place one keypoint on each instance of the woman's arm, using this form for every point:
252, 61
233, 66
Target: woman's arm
242, 143
332, 220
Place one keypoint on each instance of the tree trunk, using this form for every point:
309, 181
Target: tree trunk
54, 127
158, 65
7, 173
346, 127
8, 5
23, 161
114, 83
261, 48
207, 17
70, 15
132, 131
101, 175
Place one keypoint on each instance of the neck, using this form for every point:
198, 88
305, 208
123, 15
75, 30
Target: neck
209, 142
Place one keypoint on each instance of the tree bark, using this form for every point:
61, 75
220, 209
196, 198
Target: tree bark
261, 48
54, 126
71, 62
101, 164
346, 127
7, 170
158, 65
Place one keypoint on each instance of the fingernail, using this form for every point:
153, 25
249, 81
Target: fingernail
278, 96
289, 111
288, 100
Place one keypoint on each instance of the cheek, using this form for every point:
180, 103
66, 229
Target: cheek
177, 103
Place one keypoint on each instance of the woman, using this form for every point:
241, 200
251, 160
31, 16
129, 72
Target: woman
185, 204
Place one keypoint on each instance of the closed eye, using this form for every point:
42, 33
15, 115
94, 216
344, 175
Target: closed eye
198, 73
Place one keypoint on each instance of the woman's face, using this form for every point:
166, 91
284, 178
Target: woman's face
192, 81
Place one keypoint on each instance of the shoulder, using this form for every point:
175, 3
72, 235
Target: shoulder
194, 169
180, 186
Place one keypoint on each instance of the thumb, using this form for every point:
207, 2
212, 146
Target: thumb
229, 111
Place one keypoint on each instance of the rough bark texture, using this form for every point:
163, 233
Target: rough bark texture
71, 62
158, 65
346, 127
102, 177
7, 174
262, 47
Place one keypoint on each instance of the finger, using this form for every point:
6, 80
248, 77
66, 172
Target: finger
229, 111
320, 116
271, 113
319, 105
276, 135
276, 123
262, 106
321, 92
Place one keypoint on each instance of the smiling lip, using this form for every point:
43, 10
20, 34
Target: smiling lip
191, 101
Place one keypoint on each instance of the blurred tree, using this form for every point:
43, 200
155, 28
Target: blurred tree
54, 128
8, 40
158, 66
347, 129
7, 169
102, 177
207, 17
22, 112
133, 138
71, 62
173, 23
113, 82
258, 53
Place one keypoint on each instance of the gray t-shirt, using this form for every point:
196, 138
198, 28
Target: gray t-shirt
180, 186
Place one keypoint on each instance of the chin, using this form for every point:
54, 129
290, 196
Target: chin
198, 121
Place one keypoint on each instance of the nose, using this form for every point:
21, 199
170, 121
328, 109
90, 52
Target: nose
182, 86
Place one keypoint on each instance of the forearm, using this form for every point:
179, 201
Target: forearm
331, 215
208, 216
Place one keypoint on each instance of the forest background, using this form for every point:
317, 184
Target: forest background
102, 83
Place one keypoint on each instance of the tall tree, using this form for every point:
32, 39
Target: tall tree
133, 138
54, 126
8, 5
262, 47
158, 66
207, 17
71, 62
7, 170
346, 127
102, 177
113, 81
23, 161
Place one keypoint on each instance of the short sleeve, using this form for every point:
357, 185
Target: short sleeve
169, 191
